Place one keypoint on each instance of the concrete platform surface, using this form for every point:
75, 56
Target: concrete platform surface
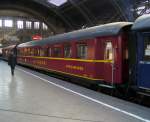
30, 96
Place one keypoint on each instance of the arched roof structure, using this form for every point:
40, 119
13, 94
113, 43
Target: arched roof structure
74, 14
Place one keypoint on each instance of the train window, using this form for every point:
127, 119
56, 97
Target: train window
42, 52
57, 52
147, 49
38, 52
25, 51
32, 52
82, 51
49, 52
35, 52
46, 53
18, 52
67, 51
21, 52
108, 51
28, 53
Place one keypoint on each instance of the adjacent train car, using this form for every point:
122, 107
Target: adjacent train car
141, 29
97, 54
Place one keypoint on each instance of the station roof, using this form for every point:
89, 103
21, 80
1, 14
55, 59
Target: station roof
69, 14
73, 14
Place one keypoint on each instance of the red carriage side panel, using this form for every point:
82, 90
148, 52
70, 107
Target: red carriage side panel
84, 68
104, 59
104, 62
99, 52
117, 60
109, 49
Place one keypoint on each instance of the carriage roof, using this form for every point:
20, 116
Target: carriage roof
96, 31
142, 23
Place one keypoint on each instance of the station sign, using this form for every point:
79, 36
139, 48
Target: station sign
36, 37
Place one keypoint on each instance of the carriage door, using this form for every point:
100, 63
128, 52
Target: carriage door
108, 57
144, 61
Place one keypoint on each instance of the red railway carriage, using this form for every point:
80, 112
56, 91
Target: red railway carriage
98, 54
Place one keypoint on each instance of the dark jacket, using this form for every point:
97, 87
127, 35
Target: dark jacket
12, 60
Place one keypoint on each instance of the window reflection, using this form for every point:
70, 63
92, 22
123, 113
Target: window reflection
147, 49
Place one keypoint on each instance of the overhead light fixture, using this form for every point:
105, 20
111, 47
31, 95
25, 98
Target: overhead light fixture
57, 2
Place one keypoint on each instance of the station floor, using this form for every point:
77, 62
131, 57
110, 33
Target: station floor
29, 96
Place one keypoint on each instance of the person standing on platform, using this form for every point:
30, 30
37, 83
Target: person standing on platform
12, 62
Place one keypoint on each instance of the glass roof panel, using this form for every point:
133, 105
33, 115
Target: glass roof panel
57, 2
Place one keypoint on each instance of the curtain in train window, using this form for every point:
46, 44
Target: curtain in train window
57, 52
32, 52
25, 51
49, 52
38, 52
108, 51
35, 52
67, 51
28, 51
42, 52
82, 51
147, 48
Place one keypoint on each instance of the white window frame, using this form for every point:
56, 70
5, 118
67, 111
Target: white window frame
36, 25
20, 24
8, 23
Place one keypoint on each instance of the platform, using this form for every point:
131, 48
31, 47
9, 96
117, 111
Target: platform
29, 96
